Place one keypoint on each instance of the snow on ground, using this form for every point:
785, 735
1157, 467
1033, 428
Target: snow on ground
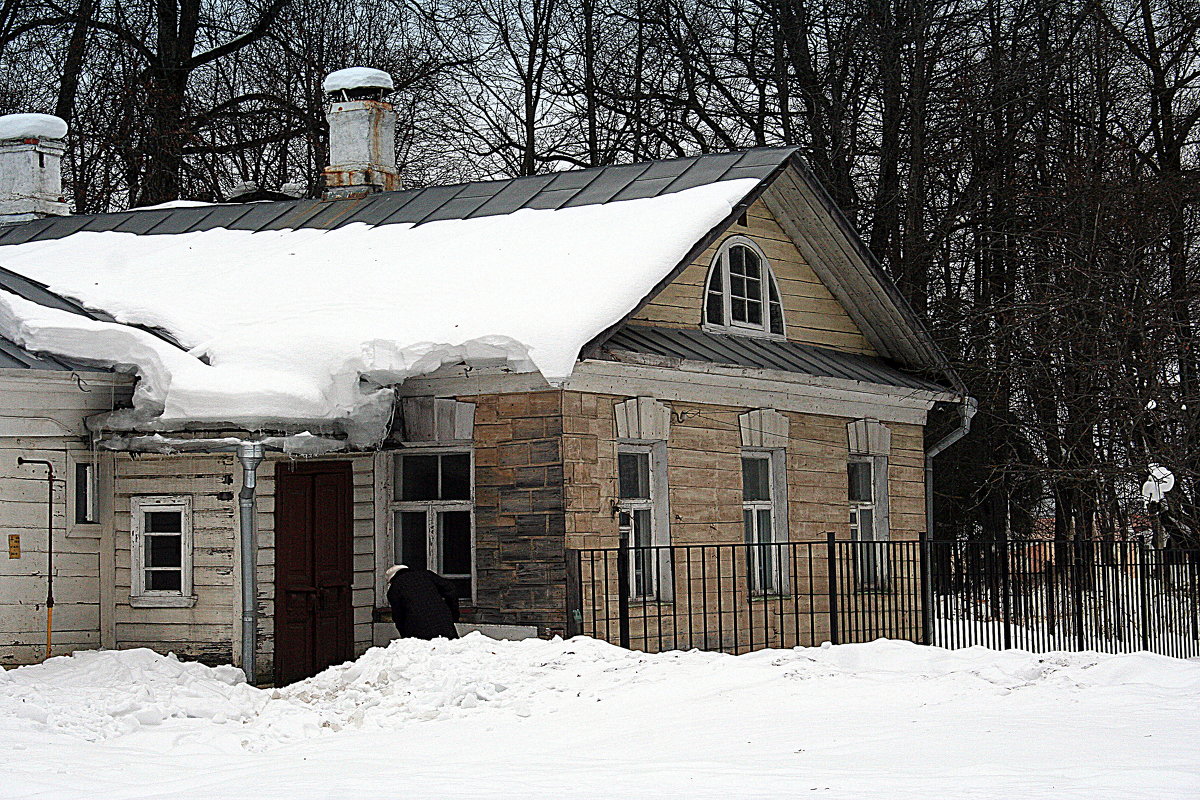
281, 325
580, 718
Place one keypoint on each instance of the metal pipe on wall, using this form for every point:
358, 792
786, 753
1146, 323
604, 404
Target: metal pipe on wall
966, 412
251, 455
21, 460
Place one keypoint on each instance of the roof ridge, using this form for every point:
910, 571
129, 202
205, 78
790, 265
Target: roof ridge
464, 200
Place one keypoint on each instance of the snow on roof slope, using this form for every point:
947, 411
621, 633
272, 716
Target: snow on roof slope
32, 126
289, 321
357, 78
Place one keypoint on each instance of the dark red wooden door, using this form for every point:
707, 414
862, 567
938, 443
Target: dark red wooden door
314, 616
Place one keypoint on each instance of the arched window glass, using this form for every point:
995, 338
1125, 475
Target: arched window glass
741, 293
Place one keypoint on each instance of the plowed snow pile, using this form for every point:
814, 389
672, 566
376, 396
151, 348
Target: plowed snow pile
580, 718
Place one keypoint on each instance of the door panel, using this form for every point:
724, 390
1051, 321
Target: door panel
313, 568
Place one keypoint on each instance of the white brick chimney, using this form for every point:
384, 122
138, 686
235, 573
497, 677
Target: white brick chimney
362, 133
31, 151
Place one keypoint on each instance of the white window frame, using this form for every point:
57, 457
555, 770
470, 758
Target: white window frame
776, 459
720, 265
432, 509
872, 575
660, 519
139, 595
88, 459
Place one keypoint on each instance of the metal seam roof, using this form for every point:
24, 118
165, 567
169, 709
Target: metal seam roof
762, 353
596, 185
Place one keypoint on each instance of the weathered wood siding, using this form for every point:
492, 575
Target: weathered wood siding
209, 630
705, 498
705, 474
42, 416
813, 315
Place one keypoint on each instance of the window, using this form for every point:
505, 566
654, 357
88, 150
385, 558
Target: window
642, 518
86, 509
161, 550
432, 515
870, 554
742, 295
758, 519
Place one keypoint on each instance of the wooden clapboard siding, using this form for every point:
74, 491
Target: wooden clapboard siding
42, 416
812, 313
206, 630
210, 629
705, 478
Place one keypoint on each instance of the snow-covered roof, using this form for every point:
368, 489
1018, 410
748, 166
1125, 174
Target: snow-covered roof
357, 78
298, 312
32, 126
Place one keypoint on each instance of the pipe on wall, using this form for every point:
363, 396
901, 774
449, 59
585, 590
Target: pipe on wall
966, 412
21, 460
251, 455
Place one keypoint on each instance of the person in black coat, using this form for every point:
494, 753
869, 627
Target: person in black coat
424, 604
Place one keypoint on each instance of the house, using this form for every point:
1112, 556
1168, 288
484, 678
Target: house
268, 403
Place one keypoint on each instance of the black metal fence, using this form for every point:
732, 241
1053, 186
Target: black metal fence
1040, 595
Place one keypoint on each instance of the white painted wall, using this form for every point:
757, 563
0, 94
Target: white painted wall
42, 416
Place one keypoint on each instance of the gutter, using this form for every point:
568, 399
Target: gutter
966, 412
250, 454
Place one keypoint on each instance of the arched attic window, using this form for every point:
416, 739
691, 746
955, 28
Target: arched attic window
741, 295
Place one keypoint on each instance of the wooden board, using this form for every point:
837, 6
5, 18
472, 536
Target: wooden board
812, 314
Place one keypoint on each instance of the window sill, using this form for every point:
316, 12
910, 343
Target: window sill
163, 601
734, 330
85, 530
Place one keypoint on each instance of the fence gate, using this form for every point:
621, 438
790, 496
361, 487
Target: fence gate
1110, 596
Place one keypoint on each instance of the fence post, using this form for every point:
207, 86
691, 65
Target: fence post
1144, 592
925, 553
1077, 575
1051, 602
1006, 593
623, 589
574, 592
832, 570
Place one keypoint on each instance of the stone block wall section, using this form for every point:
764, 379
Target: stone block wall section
519, 517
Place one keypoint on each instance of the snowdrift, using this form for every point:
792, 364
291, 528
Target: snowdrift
103, 694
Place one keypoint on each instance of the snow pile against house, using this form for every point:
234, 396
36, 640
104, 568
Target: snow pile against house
298, 325
584, 719
101, 694
104, 694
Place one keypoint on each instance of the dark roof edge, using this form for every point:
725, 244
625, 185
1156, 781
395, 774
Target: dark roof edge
890, 292
590, 349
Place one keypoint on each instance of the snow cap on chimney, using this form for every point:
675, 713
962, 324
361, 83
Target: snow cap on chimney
354, 79
31, 152
362, 133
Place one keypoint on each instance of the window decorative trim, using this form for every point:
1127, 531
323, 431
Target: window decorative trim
763, 428
140, 595
436, 421
717, 284
869, 437
642, 419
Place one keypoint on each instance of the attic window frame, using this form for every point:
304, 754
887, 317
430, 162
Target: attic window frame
770, 286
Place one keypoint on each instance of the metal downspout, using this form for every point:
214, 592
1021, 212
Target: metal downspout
251, 455
966, 411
